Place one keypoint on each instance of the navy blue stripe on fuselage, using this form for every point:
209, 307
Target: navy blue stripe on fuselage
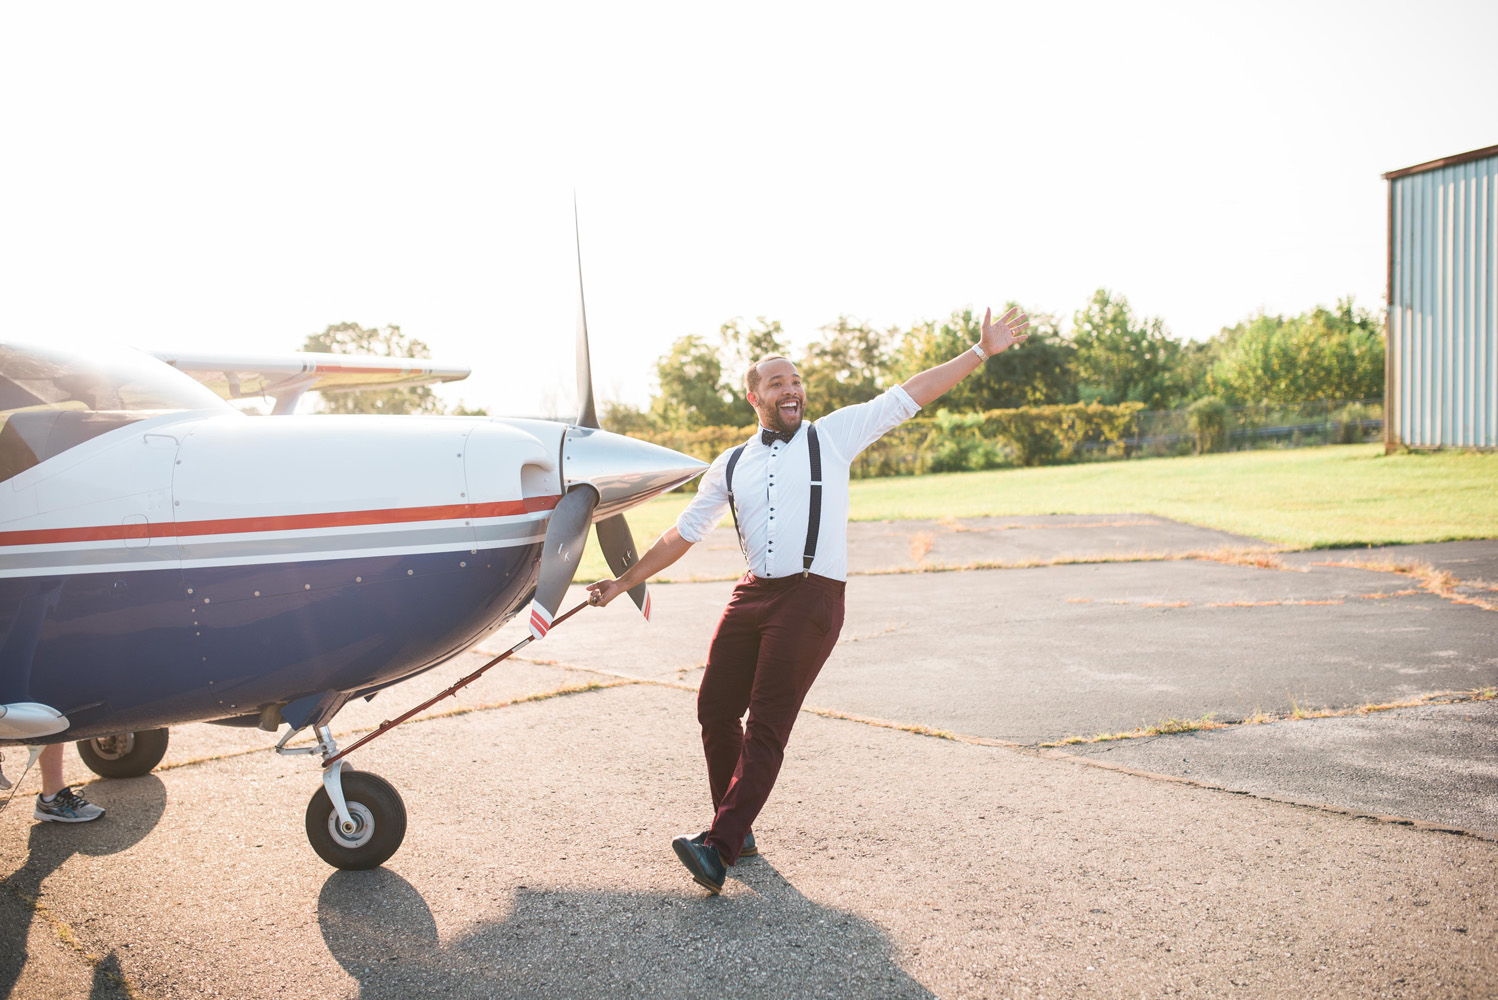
125, 651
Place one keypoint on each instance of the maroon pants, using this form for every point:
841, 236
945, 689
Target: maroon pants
770, 645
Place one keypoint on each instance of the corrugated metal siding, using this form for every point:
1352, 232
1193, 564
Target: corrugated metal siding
1443, 309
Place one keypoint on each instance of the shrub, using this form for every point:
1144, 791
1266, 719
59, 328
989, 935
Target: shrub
1208, 418
958, 443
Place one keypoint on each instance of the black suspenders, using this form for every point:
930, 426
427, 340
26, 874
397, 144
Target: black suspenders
733, 506
814, 514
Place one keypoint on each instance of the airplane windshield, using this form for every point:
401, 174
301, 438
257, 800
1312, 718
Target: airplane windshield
53, 400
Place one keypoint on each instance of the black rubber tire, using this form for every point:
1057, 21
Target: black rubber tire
128, 755
377, 808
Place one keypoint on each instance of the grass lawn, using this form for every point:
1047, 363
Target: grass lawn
1306, 497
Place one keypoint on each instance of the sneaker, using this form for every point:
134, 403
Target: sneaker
67, 806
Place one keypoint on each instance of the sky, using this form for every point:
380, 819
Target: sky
236, 176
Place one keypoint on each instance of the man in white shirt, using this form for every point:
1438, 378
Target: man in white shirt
784, 617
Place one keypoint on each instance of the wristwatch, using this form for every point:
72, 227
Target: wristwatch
982, 354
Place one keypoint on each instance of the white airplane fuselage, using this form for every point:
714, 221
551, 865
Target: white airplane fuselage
206, 565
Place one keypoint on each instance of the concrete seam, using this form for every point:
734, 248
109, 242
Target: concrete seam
1059, 755
1438, 583
1207, 723
1419, 824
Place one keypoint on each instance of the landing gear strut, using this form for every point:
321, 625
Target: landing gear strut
356, 820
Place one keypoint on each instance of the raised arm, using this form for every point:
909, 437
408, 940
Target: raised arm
998, 335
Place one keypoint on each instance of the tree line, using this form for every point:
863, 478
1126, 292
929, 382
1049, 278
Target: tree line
1110, 356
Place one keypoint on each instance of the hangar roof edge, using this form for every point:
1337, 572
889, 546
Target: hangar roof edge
1445, 161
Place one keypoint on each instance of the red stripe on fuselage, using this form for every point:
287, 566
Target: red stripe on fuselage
283, 522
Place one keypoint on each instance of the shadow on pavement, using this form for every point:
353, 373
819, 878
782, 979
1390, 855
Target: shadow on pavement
769, 941
133, 807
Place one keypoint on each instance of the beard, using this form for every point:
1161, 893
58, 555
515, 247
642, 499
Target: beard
779, 422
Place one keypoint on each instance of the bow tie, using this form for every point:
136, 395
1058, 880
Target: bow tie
768, 438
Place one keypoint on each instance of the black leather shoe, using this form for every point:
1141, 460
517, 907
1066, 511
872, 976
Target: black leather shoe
702, 861
747, 851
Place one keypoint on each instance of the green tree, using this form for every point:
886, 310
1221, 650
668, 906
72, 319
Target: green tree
1322, 354
702, 385
1035, 373
1121, 358
741, 348
692, 390
1194, 365
850, 364
385, 342
621, 418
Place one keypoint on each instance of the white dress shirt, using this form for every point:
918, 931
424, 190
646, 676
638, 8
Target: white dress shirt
772, 489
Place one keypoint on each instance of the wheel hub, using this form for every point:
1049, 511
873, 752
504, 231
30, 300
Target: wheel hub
114, 747
363, 828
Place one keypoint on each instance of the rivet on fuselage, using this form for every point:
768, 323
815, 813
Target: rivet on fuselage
410, 572
358, 579
462, 565
189, 590
207, 600
257, 593
306, 586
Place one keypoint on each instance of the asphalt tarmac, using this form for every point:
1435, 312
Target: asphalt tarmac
932, 833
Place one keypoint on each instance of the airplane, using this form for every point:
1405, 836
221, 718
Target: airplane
166, 558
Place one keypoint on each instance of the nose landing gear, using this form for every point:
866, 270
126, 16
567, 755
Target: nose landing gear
376, 826
357, 820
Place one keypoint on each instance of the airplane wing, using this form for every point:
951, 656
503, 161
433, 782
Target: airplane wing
285, 377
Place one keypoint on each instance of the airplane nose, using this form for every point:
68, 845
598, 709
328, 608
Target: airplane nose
625, 471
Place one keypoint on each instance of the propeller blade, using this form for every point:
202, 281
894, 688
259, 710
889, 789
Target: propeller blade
566, 533
618, 547
586, 415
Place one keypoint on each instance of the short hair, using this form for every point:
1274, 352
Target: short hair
751, 377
